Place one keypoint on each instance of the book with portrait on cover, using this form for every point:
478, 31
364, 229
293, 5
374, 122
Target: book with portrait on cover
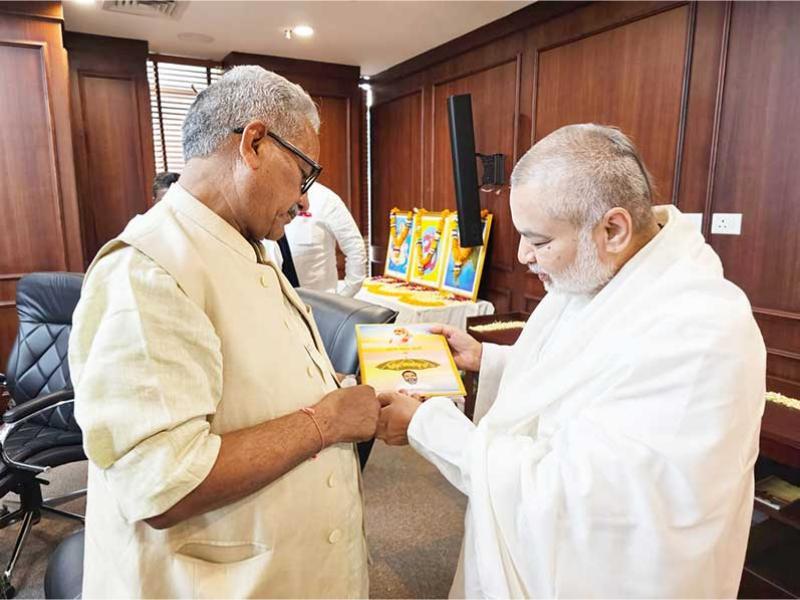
408, 358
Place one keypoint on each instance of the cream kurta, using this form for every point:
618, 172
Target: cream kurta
181, 336
616, 458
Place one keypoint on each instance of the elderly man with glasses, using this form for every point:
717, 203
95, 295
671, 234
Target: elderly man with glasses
221, 455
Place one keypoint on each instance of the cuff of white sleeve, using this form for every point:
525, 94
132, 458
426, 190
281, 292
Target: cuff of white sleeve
417, 430
143, 503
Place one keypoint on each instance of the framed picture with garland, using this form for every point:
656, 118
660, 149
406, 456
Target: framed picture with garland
427, 256
399, 247
463, 267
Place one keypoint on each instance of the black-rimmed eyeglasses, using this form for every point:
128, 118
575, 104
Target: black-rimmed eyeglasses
308, 178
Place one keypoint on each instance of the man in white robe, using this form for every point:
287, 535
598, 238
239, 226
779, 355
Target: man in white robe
615, 441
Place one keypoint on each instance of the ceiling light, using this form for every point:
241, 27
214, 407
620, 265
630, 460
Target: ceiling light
303, 31
83, 1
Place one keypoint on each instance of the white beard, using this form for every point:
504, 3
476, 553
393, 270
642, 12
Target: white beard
586, 275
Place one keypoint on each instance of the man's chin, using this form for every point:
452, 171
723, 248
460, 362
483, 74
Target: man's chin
275, 233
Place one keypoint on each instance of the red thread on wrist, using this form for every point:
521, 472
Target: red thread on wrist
310, 412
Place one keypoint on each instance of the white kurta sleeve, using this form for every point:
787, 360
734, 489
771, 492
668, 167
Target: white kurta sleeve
341, 224
627, 467
493, 363
147, 372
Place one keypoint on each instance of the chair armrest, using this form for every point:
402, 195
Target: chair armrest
26, 409
15, 418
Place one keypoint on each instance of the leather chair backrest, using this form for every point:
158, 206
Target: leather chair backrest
336, 317
38, 363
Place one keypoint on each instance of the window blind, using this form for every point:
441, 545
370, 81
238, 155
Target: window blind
173, 87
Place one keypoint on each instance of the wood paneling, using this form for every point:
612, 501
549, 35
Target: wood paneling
396, 162
335, 89
37, 198
631, 77
757, 172
112, 134
9, 324
333, 143
709, 91
29, 165
524, 18
701, 108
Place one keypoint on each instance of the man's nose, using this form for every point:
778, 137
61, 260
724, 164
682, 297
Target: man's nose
525, 252
304, 205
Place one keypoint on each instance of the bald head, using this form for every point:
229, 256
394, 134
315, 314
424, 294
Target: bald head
581, 202
583, 171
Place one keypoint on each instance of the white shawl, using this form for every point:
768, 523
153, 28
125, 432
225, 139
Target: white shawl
618, 460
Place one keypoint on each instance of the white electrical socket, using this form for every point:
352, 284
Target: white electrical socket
726, 223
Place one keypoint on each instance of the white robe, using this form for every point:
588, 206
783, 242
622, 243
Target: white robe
616, 458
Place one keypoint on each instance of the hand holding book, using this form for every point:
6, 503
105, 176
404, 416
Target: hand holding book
467, 351
396, 413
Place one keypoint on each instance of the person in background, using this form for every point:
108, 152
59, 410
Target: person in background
313, 237
161, 184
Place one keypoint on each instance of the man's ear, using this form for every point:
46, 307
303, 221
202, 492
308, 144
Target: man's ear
618, 230
252, 146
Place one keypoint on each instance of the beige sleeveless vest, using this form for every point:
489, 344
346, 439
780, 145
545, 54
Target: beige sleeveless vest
302, 535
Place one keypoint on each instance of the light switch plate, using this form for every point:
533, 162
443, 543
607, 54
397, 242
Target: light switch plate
726, 223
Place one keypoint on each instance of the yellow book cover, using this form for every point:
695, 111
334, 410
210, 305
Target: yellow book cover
409, 358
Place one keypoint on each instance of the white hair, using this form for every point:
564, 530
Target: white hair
587, 170
586, 274
240, 96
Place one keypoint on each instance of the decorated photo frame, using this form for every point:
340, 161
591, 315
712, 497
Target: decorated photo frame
463, 267
400, 245
427, 256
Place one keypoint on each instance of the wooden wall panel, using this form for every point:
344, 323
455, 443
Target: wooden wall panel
38, 199
335, 89
28, 167
115, 189
333, 145
8, 314
702, 105
757, 172
631, 77
112, 134
396, 165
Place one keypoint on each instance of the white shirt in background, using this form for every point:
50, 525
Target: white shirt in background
313, 236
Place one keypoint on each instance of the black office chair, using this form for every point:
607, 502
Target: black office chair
38, 430
336, 318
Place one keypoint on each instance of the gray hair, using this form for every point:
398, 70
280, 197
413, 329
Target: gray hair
588, 170
240, 96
